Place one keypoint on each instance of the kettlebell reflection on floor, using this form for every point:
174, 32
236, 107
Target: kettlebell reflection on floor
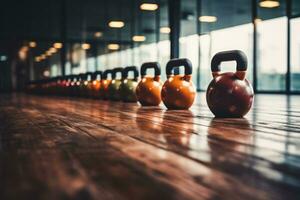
220, 136
150, 119
175, 131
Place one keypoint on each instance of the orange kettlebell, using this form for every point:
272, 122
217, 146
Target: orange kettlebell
148, 91
178, 92
96, 84
105, 82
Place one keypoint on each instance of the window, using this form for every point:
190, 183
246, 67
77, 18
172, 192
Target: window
126, 57
189, 48
189, 40
295, 54
54, 71
271, 48
54, 63
164, 34
91, 64
271, 54
68, 68
164, 56
101, 62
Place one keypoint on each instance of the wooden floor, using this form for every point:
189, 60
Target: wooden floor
72, 148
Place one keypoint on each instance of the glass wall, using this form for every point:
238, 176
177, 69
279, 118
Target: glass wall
295, 54
271, 48
206, 27
295, 46
189, 39
229, 24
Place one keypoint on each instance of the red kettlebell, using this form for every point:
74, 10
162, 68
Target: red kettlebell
229, 94
178, 92
148, 90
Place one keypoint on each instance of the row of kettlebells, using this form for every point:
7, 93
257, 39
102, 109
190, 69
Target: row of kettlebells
228, 95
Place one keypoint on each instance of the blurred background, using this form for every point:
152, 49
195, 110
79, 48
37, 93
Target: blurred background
48, 38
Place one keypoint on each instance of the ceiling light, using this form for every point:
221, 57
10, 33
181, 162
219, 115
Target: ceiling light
43, 56
98, 34
165, 30
149, 6
32, 44
52, 50
37, 59
48, 53
57, 45
116, 24
24, 48
208, 19
113, 46
85, 46
269, 3
23, 52
22, 55
138, 38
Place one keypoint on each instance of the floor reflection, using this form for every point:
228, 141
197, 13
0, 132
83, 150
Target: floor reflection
150, 119
178, 128
228, 143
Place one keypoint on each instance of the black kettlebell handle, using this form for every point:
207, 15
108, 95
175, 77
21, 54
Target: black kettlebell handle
234, 55
94, 76
117, 70
75, 78
70, 78
126, 71
106, 72
188, 67
81, 76
96, 73
89, 75
149, 65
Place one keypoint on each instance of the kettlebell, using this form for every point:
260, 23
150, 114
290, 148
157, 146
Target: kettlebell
80, 85
178, 92
96, 85
91, 78
113, 88
128, 85
105, 82
69, 85
74, 85
85, 84
229, 94
61, 85
148, 91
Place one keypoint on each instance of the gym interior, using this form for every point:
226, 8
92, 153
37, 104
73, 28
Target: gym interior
150, 99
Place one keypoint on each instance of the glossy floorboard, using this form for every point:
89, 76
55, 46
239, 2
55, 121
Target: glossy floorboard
74, 148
